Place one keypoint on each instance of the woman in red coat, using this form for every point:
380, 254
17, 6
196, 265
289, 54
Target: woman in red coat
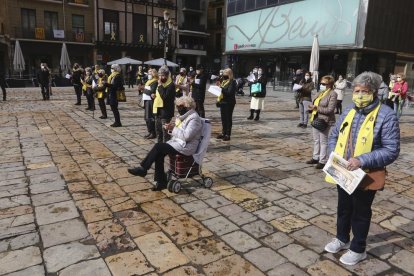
399, 94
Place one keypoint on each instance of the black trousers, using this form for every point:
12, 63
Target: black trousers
162, 133
91, 100
339, 106
114, 108
149, 117
78, 91
200, 108
3, 89
45, 91
157, 155
226, 111
354, 212
102, 106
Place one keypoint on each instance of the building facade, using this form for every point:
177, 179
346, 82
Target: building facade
192, 32
125, 28
41, 27
354, 36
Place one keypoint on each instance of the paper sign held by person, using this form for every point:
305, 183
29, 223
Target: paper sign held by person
296, 87
336, 167
215, 90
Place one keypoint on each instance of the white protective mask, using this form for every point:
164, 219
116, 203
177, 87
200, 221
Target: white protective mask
322, 87
398, 79
198, 72
150, 77
112, 70
307, 77
254, 71
259, 72
42, 67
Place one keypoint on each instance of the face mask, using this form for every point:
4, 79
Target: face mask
221, 73
182, 110
259, 72
398, 79
88, 73
225, 77
100, 75
198, 72
362, 100
163, 79
42, 67
112, 70
149, 77
254, 71
307, 77
191, 68
322, 87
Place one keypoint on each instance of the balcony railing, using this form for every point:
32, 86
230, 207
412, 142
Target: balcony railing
80, 2
192, 27
44, 34
192, 5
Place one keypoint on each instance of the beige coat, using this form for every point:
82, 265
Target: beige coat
326, 108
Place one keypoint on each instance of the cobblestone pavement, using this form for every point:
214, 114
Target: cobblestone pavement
69, 207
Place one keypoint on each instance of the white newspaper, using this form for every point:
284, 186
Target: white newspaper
251, 78
215, 90
336, 167
213, 77
296, 87
94, 85
68, 76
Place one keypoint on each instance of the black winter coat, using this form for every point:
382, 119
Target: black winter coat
117, 83
43, 76
199, 90
168, 97
229, 93
263, 81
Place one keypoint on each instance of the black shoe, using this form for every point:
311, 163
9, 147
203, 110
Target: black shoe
138, 171
103, 117
300, 125
220, 136
152, 136
250, 117
319, 166
226, 138
148, 135
88, 109
304, 126
77, 103
257, 118
159, 186
312, 161
337, 112
116, 125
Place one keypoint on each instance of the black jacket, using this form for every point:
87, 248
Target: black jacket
76, 77
199, 90
43, 76
153, 89
117, 83
229, 93
168, 97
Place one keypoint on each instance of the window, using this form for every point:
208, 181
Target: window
28, 22
51, 23
111, 25
218, 42
140, 28
219, 16
78, 23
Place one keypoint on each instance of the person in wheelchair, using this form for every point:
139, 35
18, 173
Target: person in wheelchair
185, 137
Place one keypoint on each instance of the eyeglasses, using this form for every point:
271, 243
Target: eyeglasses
323, 83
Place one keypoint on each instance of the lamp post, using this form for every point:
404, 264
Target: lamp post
165, 28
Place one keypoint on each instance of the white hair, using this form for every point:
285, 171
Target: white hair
185, 101
369, 79
163, 70
116, 67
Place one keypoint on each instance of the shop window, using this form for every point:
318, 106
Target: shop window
28, 17
219, 16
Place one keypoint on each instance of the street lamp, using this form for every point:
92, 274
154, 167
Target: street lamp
165, 28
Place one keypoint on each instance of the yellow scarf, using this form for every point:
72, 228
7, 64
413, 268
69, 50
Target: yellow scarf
365, 138
158, 102
151, 81
100, 94
111, 76
179, 82
316, 103
222, 85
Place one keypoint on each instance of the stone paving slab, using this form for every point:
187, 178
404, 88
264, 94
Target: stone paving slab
69, 207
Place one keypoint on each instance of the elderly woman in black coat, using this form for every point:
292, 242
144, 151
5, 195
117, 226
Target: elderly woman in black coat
115, 83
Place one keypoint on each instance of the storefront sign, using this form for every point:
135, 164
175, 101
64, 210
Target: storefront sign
294, 25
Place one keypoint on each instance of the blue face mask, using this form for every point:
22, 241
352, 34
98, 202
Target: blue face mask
322, 87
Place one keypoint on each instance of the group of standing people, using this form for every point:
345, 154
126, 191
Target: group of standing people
96, 84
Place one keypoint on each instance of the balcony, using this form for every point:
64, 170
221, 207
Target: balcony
42, 34
192, 6
79, 2
187, 26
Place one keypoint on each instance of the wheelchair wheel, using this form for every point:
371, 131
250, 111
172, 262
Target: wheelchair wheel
176, 187
170, 185
208, 182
